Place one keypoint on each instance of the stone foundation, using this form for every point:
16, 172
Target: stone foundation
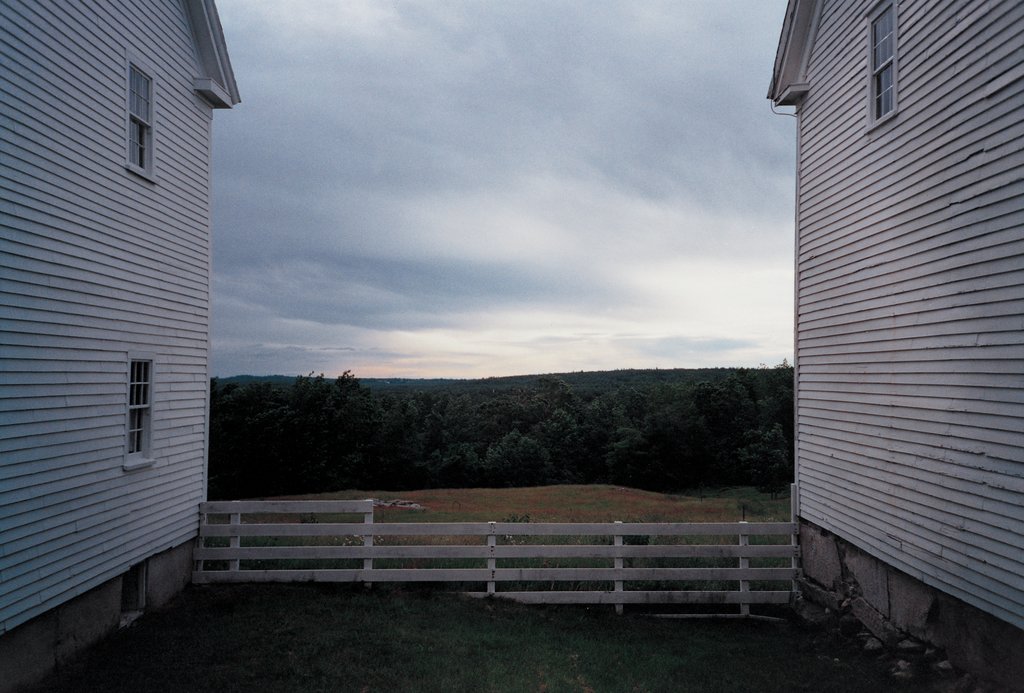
901, 611
34, 649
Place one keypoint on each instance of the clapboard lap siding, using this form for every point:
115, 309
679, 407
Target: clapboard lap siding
891, 199
103, 32
833, 513
961, 290
42, 303
60, 551
937, 32
983, 212
962, 64
57, 156
999, 417
98, 263
910, 259
970, 318
75, 506
54, 557
60, 562
927, 500
954, 236
110, 560
966, 152
138, 340
992, 586
983, 490
984, 222
51, 189
961, 150
999, 441
111, 273
908, 423
999, 344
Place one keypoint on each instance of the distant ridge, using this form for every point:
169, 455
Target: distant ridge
580, 381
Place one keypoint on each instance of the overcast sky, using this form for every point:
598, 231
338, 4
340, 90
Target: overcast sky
469, 189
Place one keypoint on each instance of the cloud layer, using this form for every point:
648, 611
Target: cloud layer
467, 189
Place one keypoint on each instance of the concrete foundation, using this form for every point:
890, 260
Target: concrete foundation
896, 608
167, 574
34, 649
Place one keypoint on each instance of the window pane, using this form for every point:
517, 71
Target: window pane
139, 89
883, 25
883, 92
884, 80
881, 38
137, 145
883, 51
136, 419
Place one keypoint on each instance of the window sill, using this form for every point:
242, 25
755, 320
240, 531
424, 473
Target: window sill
130, 465
141, 173
882, 123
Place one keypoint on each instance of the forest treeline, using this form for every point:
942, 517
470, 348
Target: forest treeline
658, 433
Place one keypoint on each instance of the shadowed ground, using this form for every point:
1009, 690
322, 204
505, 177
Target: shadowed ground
270, 638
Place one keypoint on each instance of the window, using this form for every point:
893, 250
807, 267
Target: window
140, 386
140, 121
883, 62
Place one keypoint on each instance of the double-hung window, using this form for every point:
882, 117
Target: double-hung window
140, 409
882, 41
140, 120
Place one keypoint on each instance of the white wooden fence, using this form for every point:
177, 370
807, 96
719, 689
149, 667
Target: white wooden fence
252, 534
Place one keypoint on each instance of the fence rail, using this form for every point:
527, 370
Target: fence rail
276, 541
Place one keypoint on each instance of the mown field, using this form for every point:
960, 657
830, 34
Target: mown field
574, 503
306, 638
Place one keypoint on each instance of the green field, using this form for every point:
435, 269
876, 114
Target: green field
595, 503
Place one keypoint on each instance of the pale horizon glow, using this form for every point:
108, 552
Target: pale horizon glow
463, 190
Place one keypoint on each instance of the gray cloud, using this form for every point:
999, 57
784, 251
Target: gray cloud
409, 166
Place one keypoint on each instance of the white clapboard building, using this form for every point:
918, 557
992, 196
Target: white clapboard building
105, 136
910, 311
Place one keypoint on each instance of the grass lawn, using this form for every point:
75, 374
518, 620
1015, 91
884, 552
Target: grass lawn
270, 638
305, 637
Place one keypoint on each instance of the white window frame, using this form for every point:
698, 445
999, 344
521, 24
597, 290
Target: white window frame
877, 69
139, 121
139, 411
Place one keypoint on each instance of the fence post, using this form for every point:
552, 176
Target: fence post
794, 539
744, 585
618, 566
368, 542
204, 519
492, 563
236, 540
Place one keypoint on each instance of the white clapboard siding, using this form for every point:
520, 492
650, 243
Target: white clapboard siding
910, 292
98, 264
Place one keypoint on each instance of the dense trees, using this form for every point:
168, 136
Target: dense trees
657, 433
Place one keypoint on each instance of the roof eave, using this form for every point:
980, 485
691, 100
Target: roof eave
216, 84
789, 79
